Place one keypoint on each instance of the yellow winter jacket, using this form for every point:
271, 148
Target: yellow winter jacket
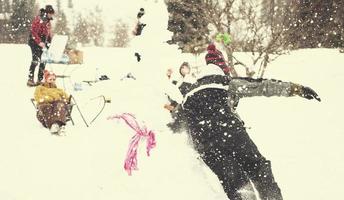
48, 93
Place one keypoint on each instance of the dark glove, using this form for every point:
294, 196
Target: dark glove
309, 93
47, 45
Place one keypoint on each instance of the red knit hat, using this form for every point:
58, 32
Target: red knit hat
211, 47
47, 74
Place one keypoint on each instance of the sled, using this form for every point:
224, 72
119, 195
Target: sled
72, 103
57, 54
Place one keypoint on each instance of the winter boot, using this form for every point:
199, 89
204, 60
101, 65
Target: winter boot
55, 128
30, 83
38, 83
62, 131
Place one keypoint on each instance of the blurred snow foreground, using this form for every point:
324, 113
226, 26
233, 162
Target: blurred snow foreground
303, 139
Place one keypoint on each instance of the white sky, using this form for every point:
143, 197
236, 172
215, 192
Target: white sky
112, 9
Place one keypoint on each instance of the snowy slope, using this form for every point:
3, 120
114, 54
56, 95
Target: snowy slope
88, 163
302, 138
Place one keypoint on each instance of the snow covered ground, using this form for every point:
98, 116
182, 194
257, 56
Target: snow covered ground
302, 138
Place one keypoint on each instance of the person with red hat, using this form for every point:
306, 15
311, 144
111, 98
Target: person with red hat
51, 103
206, 111
215, 56
40, 38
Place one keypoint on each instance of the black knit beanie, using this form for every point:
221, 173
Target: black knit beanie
49, 9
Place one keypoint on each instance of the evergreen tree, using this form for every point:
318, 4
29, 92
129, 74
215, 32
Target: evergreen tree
339, 21
70, 4
7, 5
58, 6
188, 24
316, 25
2, 6
121, 35
96, 27
61, 26
5, 12
81, 31
20, 22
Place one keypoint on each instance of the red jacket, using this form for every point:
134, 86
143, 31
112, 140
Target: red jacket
41, 30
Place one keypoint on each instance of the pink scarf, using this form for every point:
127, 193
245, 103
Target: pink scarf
130, 162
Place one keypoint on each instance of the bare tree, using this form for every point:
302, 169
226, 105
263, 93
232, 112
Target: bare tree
220, 18
262, 38
242, 19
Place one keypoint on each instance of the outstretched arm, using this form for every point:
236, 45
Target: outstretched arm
249, 87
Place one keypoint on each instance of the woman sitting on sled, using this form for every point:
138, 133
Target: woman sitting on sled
52, 104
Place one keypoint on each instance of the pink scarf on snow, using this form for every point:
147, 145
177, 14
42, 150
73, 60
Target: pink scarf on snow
130, 162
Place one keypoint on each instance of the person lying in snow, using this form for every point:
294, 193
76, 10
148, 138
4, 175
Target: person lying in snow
219, 135
239, 87
51, 104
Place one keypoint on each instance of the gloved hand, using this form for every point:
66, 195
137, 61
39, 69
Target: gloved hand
303, 91
309, 93
169, 107
42, 45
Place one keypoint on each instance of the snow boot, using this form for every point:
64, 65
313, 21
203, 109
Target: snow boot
54, 129
38, 83
62, 131
30, 83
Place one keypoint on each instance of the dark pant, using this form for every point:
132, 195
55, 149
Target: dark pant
36, 59
50, 113
225, 146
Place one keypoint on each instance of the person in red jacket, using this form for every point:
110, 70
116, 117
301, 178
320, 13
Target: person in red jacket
40, 38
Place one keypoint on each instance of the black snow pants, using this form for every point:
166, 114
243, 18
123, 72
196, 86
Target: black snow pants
224, 145
36, 59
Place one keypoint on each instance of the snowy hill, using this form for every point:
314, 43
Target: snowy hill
302, 138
